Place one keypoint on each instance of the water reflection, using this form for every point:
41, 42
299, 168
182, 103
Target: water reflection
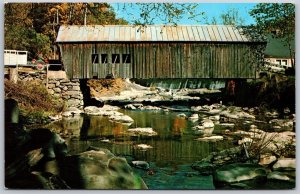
179, 126
174, 144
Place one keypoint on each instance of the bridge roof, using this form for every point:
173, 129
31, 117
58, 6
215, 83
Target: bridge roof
151, 33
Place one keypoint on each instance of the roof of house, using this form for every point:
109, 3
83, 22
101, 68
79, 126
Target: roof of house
276, 48
151, 33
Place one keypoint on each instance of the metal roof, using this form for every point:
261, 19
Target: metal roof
151, 33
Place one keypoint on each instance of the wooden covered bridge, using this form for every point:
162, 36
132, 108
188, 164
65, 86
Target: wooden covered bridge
190, 51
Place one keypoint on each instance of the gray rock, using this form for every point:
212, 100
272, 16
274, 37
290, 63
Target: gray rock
142, 131
76, 88
71, 111
282, 176
99, 169
121, 118
73, 102
50, 86
285, 164
233, 173
211, 138
130, 107
265, 160
141, 164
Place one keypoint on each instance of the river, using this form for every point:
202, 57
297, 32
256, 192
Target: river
173, 150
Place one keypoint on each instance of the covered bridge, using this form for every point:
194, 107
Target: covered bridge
190, 51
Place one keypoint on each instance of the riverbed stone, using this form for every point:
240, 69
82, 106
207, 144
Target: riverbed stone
207, 123
280, 125
282, 176
99, 169
233, 173
194, 117
142, 131
141, 164
130, 107
121, 118
143, 146
211, 138
72, 111
285, 164
204, 131
266, 159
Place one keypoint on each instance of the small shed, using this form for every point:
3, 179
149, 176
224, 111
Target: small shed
156, 51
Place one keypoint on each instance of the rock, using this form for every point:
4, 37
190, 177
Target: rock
57, 90
214, 117
232, 173
237, 115
211, 138
285, 164
182, 115
104, 111
92, 110
142, 131
207, 123
130, 107
73, 102
204, 131
121, 118
110, 108
55, 117
71, 111
273, 114
245, 140
266, 159
194, 117
227, 125
281, 176
99, 169
143, 146
141, 164
152, 108
282, 124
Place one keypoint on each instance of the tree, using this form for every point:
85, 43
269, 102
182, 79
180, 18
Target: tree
34, 26
230, 17
278, 17
167, 13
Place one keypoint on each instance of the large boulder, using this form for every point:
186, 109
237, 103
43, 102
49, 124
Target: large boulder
99, 169
238, 172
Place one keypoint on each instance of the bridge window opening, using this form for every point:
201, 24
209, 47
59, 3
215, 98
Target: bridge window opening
115, 58
95, 58
103, 58
126, 58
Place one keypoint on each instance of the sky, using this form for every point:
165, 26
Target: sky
210, 10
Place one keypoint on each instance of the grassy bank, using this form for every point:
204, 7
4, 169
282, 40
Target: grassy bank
34, 101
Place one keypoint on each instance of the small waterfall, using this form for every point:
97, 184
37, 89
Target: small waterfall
175, 84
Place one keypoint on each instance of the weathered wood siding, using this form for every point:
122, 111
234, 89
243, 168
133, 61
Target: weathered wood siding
162, 60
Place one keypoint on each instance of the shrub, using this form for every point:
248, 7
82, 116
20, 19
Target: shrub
34, 100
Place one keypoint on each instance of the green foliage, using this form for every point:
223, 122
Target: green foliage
278, 18
231, 17
170, 13
34, 26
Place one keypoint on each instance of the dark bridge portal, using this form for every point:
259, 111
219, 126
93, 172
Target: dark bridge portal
202, 51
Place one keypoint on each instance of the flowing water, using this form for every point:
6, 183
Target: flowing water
170, 159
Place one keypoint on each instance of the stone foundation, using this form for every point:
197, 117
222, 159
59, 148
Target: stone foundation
68, 90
